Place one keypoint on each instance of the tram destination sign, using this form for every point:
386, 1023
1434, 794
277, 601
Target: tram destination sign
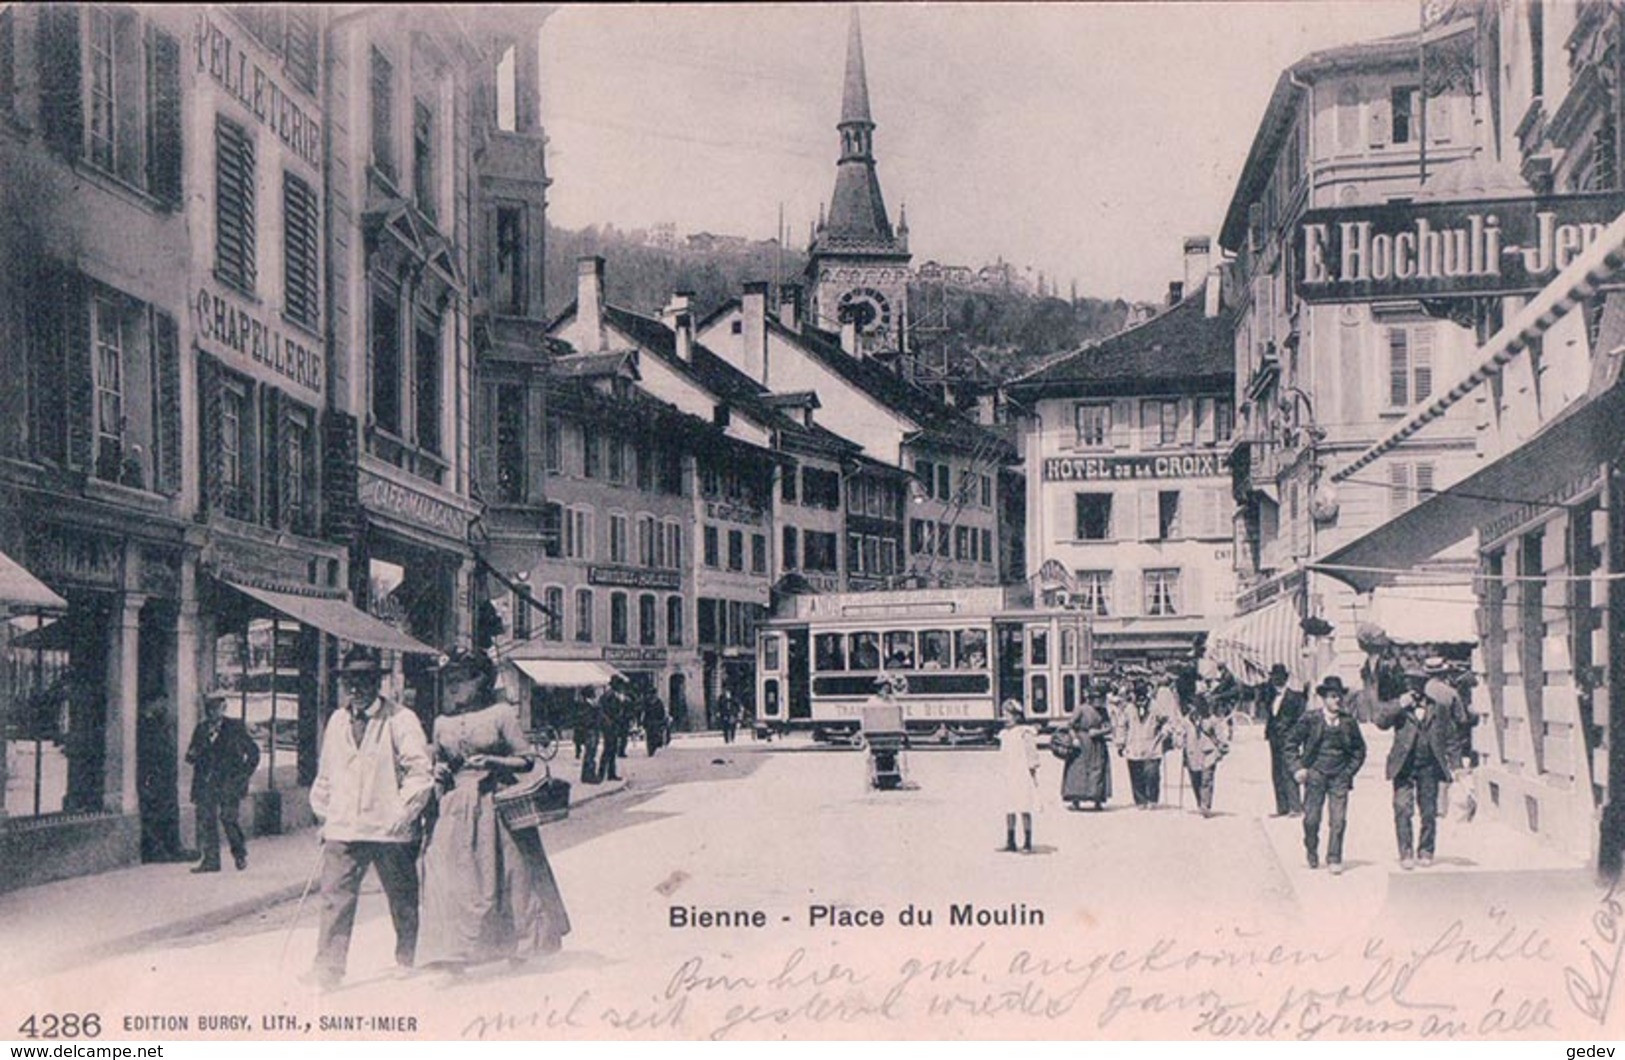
1445, 249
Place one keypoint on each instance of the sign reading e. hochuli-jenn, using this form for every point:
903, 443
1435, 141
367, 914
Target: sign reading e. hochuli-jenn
1445, 249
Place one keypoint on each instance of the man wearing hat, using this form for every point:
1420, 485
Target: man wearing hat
1283, 707
1328, 751
223, 757
373, 784
1427, 722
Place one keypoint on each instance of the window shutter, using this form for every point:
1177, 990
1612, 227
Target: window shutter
1439, 119
48, 358
167, 358
62, 108
1127, 590
1150, 513
81, 383
209, 399
164, 117
1421, 362
1125, 516
273, 453
1188, 599
234, 204
1187, 421
1122, 424
1205, 421
1377, 117
302, 41
1399, 368
485, 429
1399, 489
301, 239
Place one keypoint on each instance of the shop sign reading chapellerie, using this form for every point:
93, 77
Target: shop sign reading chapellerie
1445, 249
228, 330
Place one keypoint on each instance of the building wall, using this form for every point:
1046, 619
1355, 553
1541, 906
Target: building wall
1134, 470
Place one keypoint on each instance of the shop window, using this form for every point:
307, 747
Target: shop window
789, 548
674, 620
301, 240
234, 219
618, 633
1094, 516
584, 616
1162, 593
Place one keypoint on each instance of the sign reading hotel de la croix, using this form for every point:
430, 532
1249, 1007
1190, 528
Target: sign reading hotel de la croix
1444, 249
1126, 468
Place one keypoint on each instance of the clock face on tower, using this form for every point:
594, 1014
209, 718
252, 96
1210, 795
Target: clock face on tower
867, 308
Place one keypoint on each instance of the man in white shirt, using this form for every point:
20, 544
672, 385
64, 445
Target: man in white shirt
374, 782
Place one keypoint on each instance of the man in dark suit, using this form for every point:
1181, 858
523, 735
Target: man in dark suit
1327, 752
223, 757
1426, 751
1283, 707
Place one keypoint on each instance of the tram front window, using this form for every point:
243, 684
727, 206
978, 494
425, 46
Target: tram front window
900, 650
934, 650
1038, 645
829, 651
970, 648
865, 651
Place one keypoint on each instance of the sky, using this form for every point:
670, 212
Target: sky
1083, 141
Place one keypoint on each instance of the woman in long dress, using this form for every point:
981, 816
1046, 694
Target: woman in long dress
487, 892
1088, 776
1018, 764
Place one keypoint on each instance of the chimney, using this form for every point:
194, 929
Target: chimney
1176, 293
790, 306
679, 316
849, 337
753, 331
590, 304
1198, 252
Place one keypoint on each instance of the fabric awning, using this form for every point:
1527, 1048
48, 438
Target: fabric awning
20, 589
566, 673
1250, 644
1425, 614
1586, 436
339, 617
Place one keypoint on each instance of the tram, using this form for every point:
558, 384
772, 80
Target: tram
960, 653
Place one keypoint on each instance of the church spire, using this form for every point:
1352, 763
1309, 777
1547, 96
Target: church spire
855, 101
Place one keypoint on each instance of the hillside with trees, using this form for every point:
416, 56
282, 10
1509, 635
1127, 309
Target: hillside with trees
1003, 329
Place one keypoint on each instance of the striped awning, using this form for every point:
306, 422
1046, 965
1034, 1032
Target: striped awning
1250, 644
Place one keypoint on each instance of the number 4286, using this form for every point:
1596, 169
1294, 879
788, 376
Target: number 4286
62, 1025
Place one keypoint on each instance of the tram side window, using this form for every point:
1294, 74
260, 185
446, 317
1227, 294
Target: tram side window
1040, 703
1038, 641
900, 650
770, 653
865, 651
970, 648
829, 651
934, 647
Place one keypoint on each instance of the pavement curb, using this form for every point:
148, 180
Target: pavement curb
225, 914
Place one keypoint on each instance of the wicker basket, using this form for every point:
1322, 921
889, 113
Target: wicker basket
534, 802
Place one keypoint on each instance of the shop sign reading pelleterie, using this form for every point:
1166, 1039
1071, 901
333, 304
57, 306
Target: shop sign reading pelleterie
1442, 249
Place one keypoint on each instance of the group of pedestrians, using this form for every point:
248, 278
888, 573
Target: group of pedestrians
463, 888
1316, 750
603, 724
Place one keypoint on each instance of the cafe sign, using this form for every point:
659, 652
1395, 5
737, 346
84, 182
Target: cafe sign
1446, 249
635, 577
1127, 468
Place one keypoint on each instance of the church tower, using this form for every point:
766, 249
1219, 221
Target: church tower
858, 266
